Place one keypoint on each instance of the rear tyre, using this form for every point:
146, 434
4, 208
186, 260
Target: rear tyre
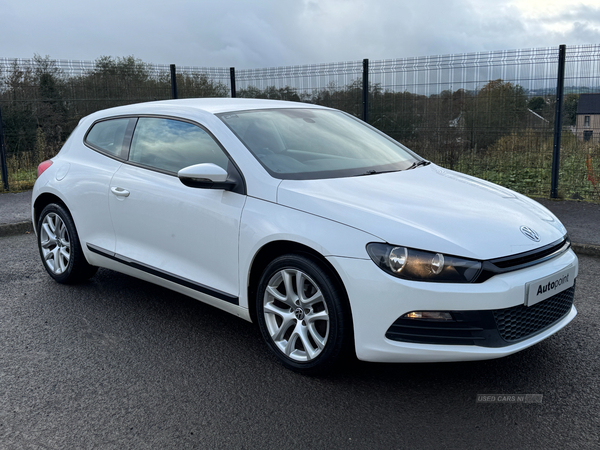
59, 246
301, 315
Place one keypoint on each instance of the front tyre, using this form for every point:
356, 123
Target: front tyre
300, 312
59, 246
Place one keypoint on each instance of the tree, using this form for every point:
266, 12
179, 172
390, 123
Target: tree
398, 114
127, 68
270, 92
200, 85
536, 104
441, 132
17, 108
570, 103
50, 106
498, 109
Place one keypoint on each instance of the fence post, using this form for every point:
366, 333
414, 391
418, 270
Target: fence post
232, 75
3, 156
560, 84
173, 82
365, 91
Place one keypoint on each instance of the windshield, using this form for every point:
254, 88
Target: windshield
303, 144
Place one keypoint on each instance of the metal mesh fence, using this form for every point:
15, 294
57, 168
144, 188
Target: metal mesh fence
473, 112
490, 114
336, 85
42, 100
194, 82
580, 146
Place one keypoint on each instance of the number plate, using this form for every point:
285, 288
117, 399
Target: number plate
544, 288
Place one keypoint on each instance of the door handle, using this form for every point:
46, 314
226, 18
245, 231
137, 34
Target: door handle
119, 192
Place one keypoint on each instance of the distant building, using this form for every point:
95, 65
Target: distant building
588, 117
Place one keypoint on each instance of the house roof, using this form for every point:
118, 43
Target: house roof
589, 104
537, 115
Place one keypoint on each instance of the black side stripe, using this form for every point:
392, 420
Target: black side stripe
165, 275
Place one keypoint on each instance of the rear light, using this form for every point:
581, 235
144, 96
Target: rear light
43, 166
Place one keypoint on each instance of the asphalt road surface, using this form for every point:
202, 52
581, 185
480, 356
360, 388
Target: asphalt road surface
118, 363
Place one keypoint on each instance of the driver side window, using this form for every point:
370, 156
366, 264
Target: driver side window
170, 145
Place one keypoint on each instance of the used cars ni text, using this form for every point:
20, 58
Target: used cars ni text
328, 234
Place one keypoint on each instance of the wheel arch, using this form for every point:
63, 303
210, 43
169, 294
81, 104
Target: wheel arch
273, 250
41, 202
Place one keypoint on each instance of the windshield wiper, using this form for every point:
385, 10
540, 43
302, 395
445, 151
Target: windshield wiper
423, 162
416, 164
375, 172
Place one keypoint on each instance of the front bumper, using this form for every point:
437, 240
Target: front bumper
378, 300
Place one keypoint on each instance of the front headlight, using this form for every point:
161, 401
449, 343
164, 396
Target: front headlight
419, 265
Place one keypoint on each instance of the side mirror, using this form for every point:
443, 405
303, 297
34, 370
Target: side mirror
206, 176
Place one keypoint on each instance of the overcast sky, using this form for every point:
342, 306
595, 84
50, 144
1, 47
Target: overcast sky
266, 33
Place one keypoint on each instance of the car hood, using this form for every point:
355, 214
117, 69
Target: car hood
428, 208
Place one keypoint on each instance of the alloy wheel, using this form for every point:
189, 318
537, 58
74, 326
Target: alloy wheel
296, 315
55, 243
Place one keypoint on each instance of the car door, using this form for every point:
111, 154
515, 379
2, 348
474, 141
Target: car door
105, 148
182, 234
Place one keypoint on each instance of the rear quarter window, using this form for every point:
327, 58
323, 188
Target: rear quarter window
108, 136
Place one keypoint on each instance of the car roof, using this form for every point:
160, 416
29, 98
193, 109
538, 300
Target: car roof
218, 105
209, 105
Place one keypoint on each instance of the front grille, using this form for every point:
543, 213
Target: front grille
486, 328
519, 261
522, 321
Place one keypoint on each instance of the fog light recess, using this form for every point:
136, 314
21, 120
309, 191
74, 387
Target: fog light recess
428, 315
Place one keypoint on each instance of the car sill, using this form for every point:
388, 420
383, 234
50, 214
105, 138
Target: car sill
164, 275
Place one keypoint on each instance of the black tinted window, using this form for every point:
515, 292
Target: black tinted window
108, 135
171, 145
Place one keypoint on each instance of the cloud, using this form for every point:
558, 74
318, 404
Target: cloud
266, 33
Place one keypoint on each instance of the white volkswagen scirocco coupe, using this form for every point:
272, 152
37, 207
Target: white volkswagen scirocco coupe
327, 233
